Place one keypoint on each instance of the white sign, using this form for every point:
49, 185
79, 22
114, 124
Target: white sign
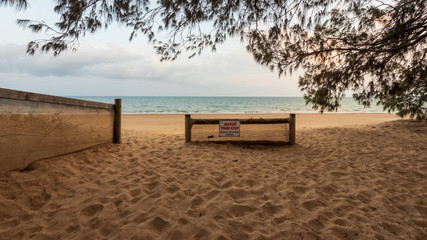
229, 128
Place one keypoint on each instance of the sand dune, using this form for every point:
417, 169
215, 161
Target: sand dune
358, 182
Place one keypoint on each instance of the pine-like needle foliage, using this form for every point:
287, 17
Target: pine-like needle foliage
376, 48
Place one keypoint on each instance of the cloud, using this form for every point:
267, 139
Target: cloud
111, 62
91, 61
230, 69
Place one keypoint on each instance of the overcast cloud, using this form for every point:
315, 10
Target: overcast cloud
228, 69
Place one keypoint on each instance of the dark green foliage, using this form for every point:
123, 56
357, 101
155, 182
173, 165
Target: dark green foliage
375, 48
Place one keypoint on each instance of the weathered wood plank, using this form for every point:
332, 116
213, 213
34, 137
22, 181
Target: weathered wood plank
117, 135
292, 131
243, 121
188, 125
251, 142
36, 97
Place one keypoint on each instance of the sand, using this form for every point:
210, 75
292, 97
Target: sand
351, 176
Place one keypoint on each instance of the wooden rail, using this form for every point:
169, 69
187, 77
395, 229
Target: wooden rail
189, 122
36, 97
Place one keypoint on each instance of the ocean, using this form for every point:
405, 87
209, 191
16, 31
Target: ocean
181, 105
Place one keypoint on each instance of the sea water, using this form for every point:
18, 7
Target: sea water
174, 105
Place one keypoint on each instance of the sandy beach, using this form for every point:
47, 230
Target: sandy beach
350, 176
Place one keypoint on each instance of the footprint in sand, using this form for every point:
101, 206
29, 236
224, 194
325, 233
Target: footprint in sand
237, 193
329, 189
279, 220
212, 194
72, 228
37, 202
250, 183
218, 176
271, 209
241, 210
95, 223
196, 202
312, 205
172, 189
152, 185
342, 209
92, 210
301, 190
316, 224
113, 182
109, 228
345, 233
364, 197
158, 225
341, 222
338, 174
23, 217
135, 192
176, 234
226, 185
202, 234
10, 223
391, 228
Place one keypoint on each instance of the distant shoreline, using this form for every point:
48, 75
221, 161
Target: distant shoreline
225, 105
240, 113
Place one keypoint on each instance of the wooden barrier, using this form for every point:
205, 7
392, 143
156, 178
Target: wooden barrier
189, 122
36, 126
117, 135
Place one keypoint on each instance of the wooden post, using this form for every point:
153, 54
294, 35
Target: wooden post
292, 128
188, 126
117, 135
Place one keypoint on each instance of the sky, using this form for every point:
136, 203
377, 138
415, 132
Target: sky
107, 64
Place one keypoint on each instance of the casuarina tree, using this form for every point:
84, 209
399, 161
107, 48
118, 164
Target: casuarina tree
375, 48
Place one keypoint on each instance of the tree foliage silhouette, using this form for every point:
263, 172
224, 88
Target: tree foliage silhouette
376, 48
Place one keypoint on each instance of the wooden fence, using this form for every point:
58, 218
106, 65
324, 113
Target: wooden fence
189, 122
37, 126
